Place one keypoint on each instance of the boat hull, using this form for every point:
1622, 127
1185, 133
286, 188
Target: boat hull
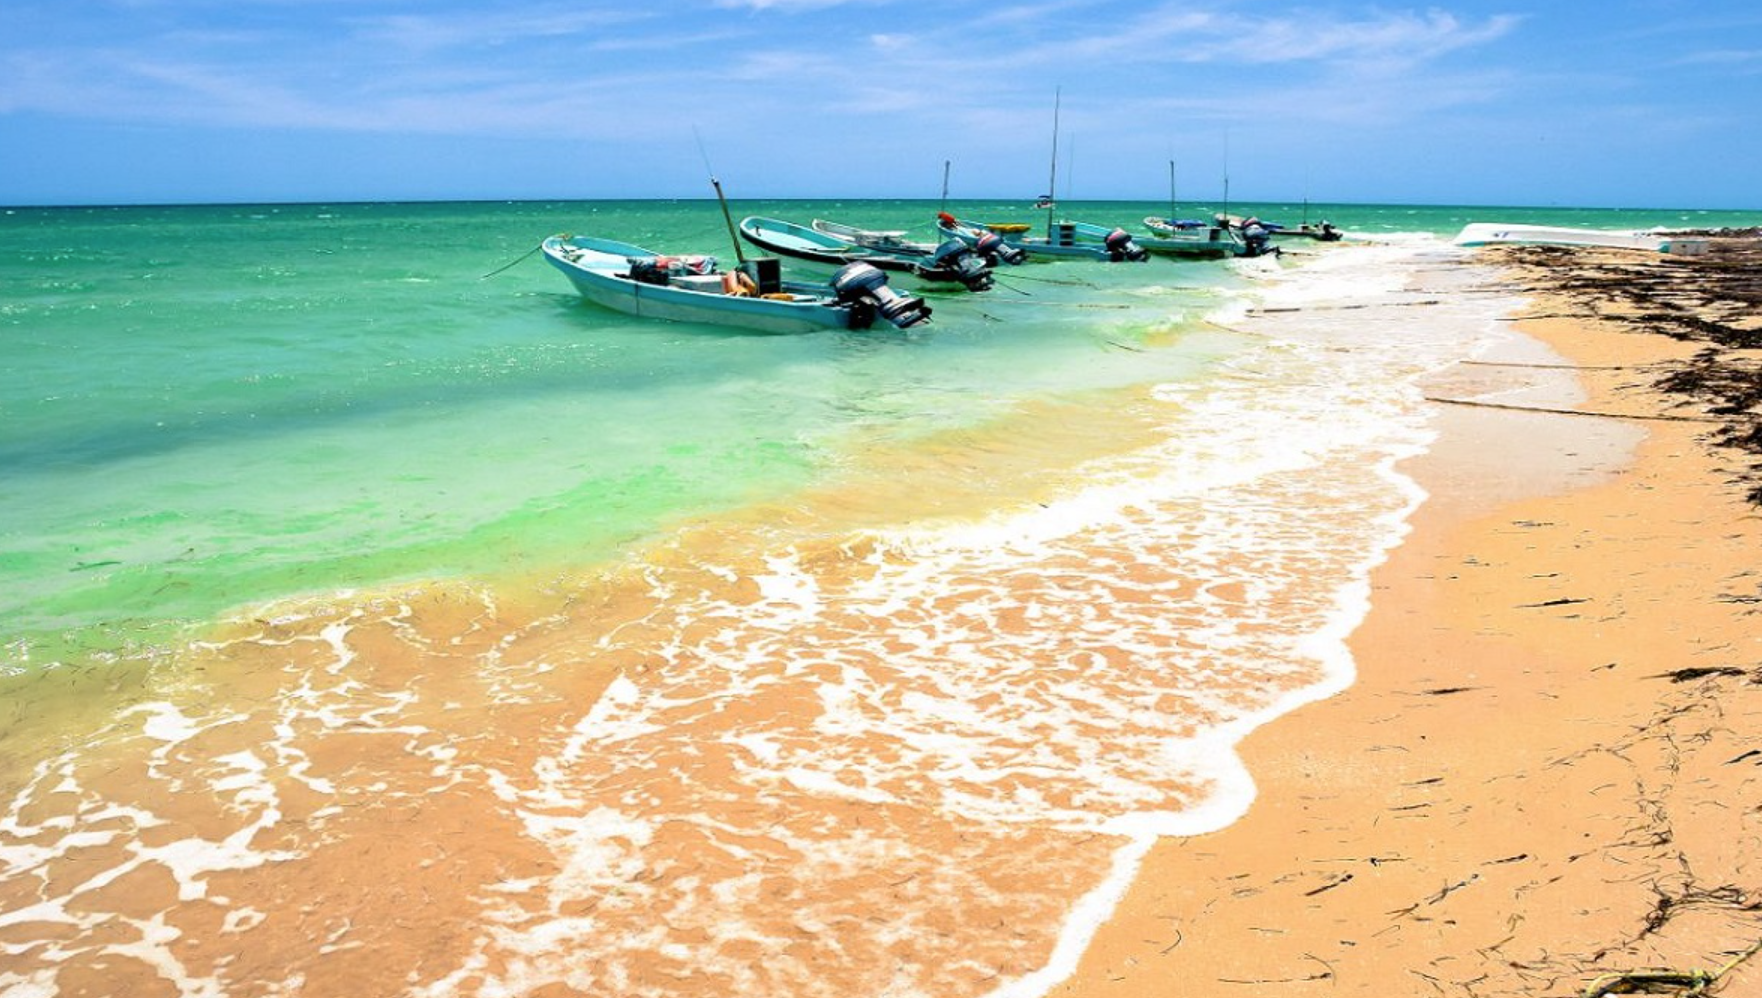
1493, 233
593, 266
1192, 240
1078, 240
1211, 242
1325, 232
1189, 249
821, 252
892, 241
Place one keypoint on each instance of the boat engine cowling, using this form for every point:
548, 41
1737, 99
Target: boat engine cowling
864, 284
991, 246
1121, 247
963, 264
1257, 240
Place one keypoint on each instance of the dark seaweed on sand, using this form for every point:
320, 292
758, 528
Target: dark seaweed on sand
1714, 299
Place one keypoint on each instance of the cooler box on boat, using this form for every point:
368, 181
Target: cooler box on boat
698, 282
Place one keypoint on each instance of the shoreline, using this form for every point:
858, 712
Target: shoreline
1545, 771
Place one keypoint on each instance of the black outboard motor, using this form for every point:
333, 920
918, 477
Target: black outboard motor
992, 247
864, 285
1257, 239
1121, 247
954, 260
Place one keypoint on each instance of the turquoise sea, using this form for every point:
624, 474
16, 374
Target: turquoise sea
208, 407
377, 617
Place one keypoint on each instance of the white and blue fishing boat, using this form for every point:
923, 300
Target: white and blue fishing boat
1191, 239
885, 239
1326, 232
1063, 239
950, 263
644, 283
1655, 240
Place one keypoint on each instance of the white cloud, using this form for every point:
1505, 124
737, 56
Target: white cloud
1723, 57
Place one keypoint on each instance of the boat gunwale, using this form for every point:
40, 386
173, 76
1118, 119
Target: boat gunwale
596, 279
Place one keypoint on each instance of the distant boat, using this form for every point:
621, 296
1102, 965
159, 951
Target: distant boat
644, 283
952, 262
1489, 233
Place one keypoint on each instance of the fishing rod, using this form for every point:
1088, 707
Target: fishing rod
733, 236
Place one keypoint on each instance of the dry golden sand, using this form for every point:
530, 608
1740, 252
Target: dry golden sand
1550, 767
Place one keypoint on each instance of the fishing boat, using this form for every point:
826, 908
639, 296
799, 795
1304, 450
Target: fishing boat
992, 250
1160, 226
1191, 239
1322, 232
1325, 231
1063, 239
644, 283
1000, 242
1489, 233
886, 239
952, 262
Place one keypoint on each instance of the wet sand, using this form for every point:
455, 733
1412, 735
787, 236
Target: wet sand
1549, 768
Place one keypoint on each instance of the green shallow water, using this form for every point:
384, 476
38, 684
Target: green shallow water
204, 407
211, 406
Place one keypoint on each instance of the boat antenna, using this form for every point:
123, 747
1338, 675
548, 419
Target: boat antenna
1226, 175
1172, 212
944, 206
733, 236
1052, 180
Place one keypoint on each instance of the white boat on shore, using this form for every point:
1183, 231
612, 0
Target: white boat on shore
1657, 241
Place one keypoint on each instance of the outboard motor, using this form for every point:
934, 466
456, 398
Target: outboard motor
1257, 239
863, 284
1121, 247
991, 246
964, 265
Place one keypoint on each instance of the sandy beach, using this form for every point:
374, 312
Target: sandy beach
1549, 769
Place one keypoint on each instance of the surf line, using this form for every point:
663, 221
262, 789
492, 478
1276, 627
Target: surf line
1083, 921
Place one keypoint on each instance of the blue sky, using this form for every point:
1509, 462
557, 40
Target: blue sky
1608, 103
